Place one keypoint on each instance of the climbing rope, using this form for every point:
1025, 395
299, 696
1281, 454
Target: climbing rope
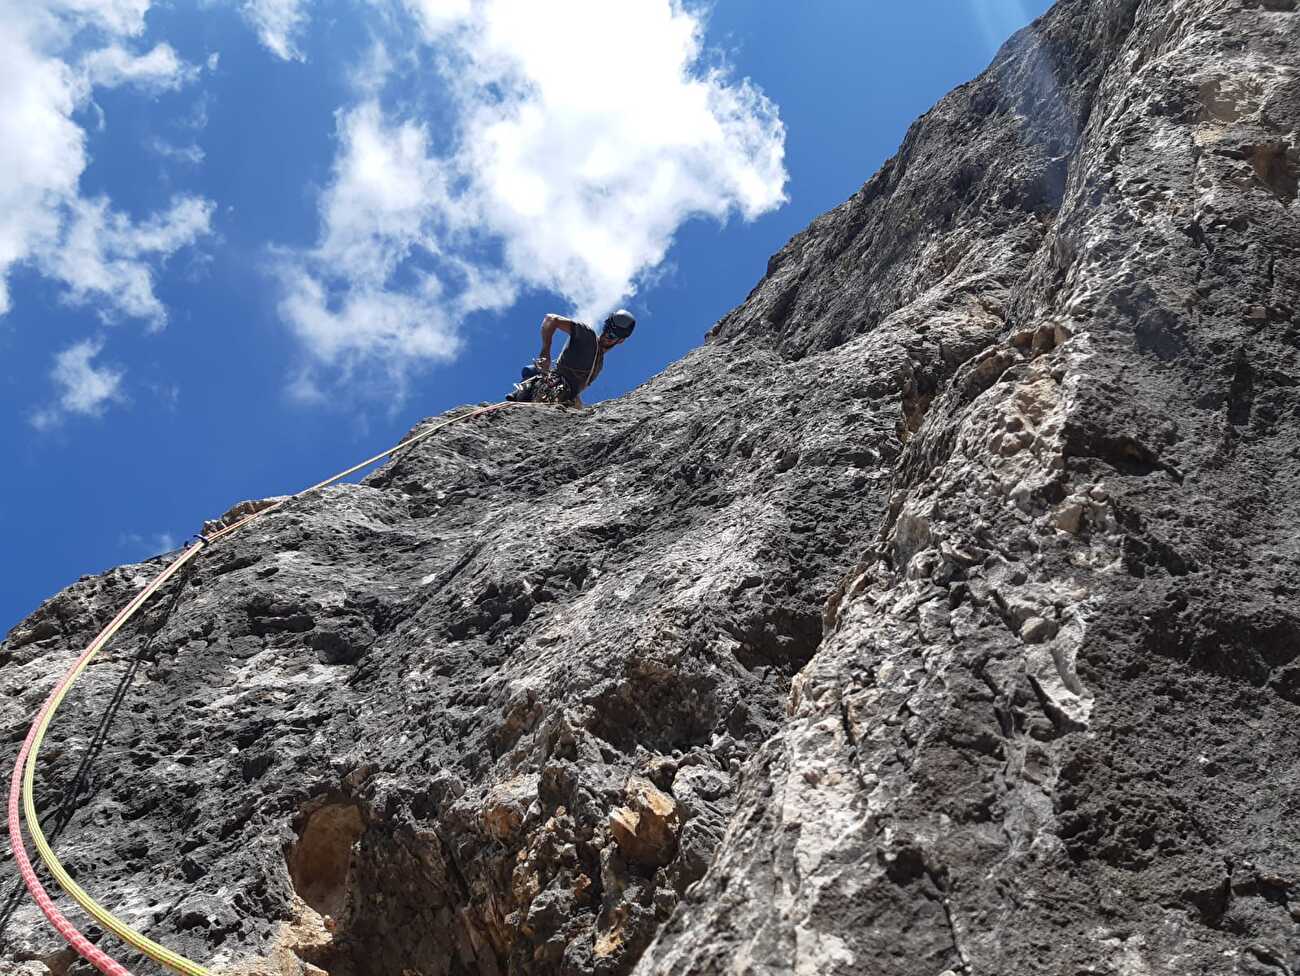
24, 778
22, 783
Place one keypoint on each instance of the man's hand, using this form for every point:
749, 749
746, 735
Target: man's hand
543, 362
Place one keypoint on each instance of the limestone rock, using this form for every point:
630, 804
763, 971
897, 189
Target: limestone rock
646, 826
940, 614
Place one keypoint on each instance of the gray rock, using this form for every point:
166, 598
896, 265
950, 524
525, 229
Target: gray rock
1040, 367
1035, 630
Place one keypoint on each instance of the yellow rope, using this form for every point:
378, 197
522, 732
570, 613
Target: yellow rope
113, 924
107, 919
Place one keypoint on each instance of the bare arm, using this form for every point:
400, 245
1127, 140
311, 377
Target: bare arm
549, 325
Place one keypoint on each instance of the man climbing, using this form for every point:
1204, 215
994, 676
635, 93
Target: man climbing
581, 360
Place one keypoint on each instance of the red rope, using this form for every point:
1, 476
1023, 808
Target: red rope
85, 948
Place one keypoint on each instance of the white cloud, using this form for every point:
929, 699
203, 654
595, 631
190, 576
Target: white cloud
124, 17
197, 118
372, 71
586, 169
385, 188
152, 544
348, 326
83, 388
192, 153
44, 221
158, 70
577, 171
375, 213
42, 151
103, 255
437, 16
278, 23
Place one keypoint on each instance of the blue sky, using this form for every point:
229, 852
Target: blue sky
244, 243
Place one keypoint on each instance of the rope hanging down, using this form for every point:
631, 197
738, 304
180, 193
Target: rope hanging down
22, 783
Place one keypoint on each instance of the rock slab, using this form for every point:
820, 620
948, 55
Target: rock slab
938, 615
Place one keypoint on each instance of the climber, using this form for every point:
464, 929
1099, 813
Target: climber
581, 360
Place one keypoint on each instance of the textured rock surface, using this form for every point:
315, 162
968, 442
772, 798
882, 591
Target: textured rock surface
939, 615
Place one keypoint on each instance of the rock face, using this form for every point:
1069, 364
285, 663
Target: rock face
939, 615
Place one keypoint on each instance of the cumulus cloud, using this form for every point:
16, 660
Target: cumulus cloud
45, 76
42, 151
375, 213
585, 171
385, 188
574, 171
83, 388
361, 321
278, 23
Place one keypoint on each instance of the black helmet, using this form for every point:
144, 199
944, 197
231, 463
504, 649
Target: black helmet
619, 325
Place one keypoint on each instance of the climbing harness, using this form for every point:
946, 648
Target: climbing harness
22, 782
551, 387
548, 385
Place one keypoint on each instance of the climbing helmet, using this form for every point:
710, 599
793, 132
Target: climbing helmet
618, 325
